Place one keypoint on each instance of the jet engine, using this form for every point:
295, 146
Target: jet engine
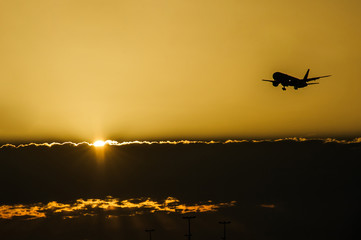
275, 84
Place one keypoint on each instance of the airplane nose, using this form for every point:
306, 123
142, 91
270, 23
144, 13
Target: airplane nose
275, 75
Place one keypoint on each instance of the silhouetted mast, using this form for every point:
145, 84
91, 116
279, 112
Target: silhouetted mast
150, 233
224, 228
189, 226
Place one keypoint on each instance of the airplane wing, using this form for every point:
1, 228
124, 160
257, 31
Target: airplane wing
315, 78
267, 80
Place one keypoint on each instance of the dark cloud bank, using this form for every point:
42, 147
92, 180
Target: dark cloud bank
282, 190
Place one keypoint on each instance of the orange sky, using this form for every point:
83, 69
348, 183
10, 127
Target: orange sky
177, 68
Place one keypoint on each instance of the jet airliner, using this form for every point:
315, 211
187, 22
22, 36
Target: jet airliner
287, 80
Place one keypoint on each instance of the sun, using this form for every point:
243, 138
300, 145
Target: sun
99, 143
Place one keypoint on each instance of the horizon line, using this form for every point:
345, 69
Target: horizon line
175, 142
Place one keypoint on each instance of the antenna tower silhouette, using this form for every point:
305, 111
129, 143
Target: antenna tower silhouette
224, 228
189, 226
150, 233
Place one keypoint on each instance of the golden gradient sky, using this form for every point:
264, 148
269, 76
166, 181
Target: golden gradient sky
84, 69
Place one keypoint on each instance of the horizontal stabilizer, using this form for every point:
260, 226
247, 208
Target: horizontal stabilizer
267, 80
313, 83
315, 78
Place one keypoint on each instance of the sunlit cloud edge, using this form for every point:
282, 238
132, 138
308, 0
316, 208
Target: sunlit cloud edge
116, 143
111, 206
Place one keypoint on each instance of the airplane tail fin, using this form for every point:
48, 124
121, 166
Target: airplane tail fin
306, 75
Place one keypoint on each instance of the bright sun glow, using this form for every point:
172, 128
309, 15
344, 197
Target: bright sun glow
99, 143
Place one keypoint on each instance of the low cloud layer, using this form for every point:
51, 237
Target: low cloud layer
112, 207
116, 143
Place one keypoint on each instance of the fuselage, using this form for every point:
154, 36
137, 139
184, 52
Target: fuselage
287, 80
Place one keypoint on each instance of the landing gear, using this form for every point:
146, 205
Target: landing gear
296, 88
284, 88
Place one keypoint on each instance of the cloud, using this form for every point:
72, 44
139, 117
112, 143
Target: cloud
44, 144
111, 206
116, 143
268, 205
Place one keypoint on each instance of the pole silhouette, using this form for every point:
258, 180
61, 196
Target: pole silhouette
224, 228
150, 233
189, 226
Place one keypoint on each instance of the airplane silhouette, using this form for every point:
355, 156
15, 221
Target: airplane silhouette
287, 80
